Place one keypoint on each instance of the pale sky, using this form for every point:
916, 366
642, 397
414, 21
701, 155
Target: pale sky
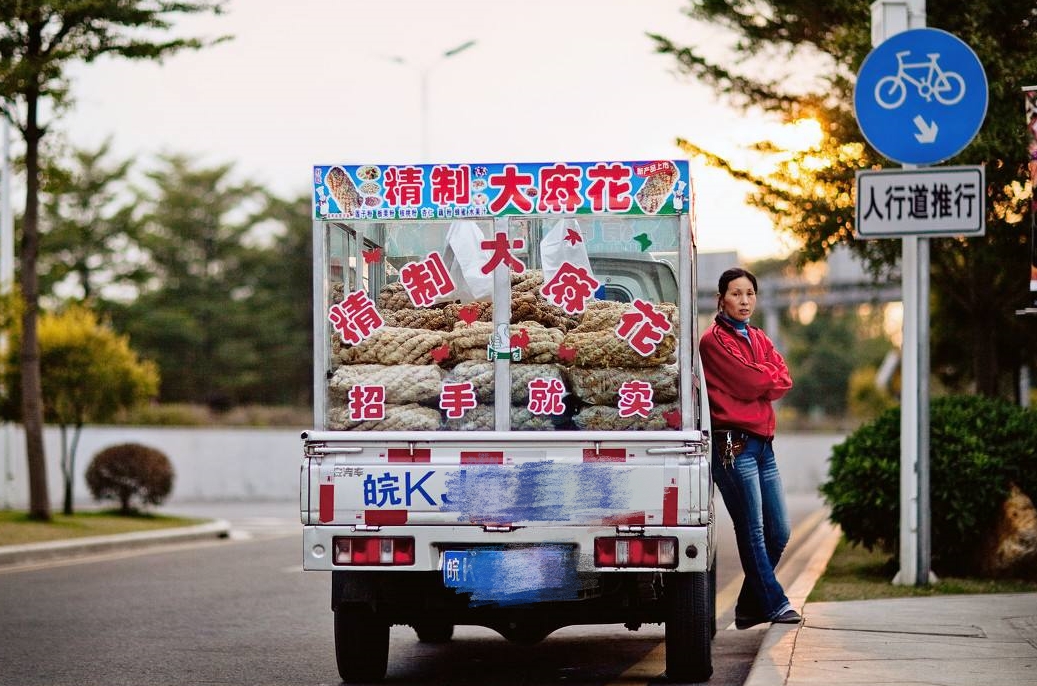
321, 82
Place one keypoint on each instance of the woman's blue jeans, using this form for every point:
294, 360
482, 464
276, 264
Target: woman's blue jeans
752, 492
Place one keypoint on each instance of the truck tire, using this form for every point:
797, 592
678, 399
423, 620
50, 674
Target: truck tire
434, 632
361, 643
688, 627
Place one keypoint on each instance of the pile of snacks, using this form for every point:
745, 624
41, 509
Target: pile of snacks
600, 386
418, 352
481, 376
539, 343
603, 362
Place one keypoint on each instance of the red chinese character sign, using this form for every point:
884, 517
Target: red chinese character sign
570, 288
643, 327
366, 403
446, 191
355, 318
426, 281
635, 399
500, 253
457, 398
546, 396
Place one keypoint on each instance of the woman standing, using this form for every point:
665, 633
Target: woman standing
744, 375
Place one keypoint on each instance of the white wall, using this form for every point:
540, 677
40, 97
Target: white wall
209, 464
263, 464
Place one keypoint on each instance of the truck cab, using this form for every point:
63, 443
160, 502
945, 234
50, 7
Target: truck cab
511, 426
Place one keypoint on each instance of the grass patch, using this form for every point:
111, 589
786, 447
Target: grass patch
17, 529
855, 573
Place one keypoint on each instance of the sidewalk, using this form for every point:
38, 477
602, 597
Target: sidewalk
949, 640
32, 553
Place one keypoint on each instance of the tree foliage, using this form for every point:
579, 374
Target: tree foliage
90, 373
39, 39
88, 229
226, 314
280, 282
824, 354
977, 283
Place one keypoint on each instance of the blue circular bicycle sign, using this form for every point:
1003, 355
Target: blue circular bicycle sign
921, 96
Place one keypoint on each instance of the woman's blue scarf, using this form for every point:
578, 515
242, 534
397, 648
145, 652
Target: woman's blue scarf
739, 326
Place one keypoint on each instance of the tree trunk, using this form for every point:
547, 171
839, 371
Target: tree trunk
985, 368
32, 391
68, 465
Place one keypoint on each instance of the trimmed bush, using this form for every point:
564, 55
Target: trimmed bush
128, 472
978, 447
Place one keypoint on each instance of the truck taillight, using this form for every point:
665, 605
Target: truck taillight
373, 550
635, 552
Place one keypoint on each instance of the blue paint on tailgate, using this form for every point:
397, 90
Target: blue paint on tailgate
542, 491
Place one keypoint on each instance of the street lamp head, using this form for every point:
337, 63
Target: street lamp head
459, 48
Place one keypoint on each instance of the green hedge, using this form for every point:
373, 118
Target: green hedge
977, 448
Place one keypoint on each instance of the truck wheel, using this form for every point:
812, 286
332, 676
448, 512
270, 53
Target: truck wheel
361, 643
434, 632
688, 627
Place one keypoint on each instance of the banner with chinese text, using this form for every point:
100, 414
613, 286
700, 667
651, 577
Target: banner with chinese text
449, 191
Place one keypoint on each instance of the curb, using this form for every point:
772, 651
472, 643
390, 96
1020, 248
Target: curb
29, 553
774, 659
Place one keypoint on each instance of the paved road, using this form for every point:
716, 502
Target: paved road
242, 612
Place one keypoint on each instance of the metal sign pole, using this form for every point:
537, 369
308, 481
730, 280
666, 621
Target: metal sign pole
917, 129
889, 18
909, 420
923, 545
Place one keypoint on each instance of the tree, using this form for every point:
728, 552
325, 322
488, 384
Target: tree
977, 283
38, 41
88, 233
281, 281
194, 316
823, 355
90, 373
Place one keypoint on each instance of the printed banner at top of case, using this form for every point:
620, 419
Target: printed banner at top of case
448, 191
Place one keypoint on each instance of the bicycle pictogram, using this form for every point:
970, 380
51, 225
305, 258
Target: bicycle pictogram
948, 87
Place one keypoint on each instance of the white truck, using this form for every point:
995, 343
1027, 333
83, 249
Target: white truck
511, 426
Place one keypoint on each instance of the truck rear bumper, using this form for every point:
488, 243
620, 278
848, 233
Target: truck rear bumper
695, 549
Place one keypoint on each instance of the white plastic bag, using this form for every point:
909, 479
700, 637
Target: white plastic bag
563, 243
464, 259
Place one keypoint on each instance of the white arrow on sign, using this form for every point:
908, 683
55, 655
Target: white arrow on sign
926, 130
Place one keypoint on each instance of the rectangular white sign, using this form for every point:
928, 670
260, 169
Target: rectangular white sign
929, 202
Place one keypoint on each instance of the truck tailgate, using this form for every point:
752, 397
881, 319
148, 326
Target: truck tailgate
555, 484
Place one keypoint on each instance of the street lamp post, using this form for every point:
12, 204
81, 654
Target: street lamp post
424, 71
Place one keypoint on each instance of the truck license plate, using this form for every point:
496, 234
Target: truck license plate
507, 576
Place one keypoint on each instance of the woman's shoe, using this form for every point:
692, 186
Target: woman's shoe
746, 622
788, 617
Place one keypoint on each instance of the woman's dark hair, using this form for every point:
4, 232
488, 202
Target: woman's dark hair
732, 274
